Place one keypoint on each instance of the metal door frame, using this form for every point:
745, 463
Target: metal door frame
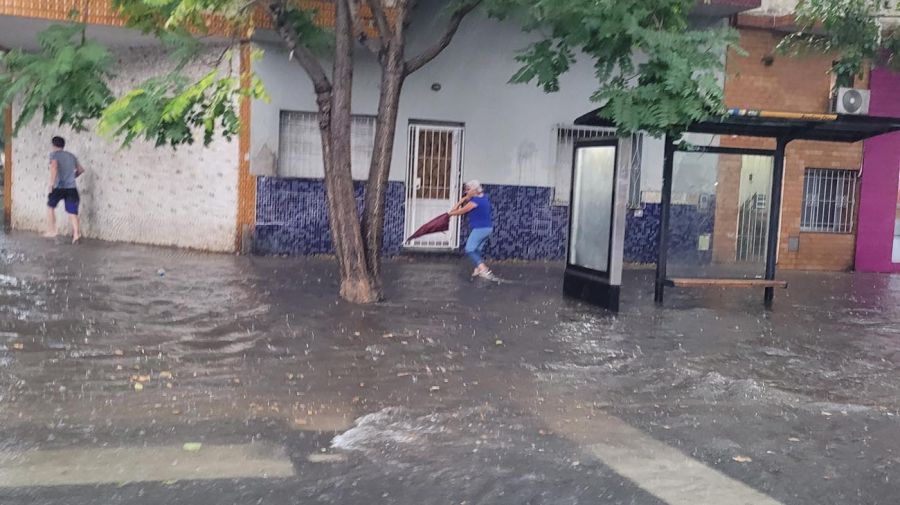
761, 257
409, 217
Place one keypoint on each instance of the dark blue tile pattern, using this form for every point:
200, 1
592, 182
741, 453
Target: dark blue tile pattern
686, 224
527, 225
292, 216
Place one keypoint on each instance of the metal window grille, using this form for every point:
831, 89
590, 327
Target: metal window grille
300, 145
829, 197
565, 137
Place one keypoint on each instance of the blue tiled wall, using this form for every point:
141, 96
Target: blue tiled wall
292, 218
686, 224
526, 224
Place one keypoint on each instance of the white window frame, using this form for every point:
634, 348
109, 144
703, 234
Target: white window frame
302, 158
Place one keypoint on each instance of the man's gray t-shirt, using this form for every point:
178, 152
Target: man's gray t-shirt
66, 164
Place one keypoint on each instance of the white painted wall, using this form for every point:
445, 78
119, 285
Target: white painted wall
509, 128
185, 198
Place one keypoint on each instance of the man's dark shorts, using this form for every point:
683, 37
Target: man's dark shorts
70, 195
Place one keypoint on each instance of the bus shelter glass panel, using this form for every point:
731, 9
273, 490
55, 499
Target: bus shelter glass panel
592, 207
719, 215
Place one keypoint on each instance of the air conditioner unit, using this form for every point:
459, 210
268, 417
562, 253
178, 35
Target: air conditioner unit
850, 101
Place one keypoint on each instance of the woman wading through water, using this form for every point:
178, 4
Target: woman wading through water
477, 206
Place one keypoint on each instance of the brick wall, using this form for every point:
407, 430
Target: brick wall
728, 183
795, 84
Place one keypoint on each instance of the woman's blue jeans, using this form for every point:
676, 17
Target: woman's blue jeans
475, 244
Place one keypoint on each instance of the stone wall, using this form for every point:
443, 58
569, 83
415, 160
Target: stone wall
143, 194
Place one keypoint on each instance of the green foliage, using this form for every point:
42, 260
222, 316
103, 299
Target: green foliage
849, 29
159, 16
673, 81
302, 23
65, 81
167, 110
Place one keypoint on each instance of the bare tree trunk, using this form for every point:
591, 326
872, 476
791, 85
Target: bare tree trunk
394, 70
392, 78
357, 284
359, 255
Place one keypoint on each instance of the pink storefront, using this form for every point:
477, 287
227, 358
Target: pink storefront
878, 235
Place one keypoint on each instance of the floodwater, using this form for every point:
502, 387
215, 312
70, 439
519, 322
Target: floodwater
144, 375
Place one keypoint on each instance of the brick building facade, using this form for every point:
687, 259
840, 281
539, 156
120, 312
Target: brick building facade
765, 79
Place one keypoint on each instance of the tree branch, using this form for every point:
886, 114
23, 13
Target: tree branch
374, 45
381, 20
305, 57
431, 53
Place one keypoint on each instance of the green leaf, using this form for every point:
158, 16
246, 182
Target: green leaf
65, 80
672, 83
169, 110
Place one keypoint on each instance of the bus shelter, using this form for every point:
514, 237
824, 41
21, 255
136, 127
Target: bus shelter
600, 185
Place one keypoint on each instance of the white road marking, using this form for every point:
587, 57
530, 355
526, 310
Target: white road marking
659, 469
118, 465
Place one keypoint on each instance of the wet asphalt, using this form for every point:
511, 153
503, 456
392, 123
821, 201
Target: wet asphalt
449, 392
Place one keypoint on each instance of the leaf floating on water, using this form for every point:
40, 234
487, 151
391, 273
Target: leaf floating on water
138, 386
793, 439
192, 446
498, 342
742, 459
434, 388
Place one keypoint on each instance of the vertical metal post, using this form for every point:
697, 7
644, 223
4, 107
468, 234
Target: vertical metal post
774, 216
665, 204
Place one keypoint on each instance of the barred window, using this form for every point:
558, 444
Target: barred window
300, 145
829, 197
565, 138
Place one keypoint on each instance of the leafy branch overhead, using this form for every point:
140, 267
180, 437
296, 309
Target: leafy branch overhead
66, 81
853, 30
167, 110
654, 70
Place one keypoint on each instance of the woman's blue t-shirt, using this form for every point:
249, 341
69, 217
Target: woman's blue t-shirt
480, 216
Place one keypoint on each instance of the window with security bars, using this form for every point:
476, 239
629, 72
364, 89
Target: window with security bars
565, 138
829, 197
435, 163
300, 145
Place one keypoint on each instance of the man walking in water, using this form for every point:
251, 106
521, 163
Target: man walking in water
64, 169
478, 207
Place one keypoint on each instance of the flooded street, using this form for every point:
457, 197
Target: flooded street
138, 375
